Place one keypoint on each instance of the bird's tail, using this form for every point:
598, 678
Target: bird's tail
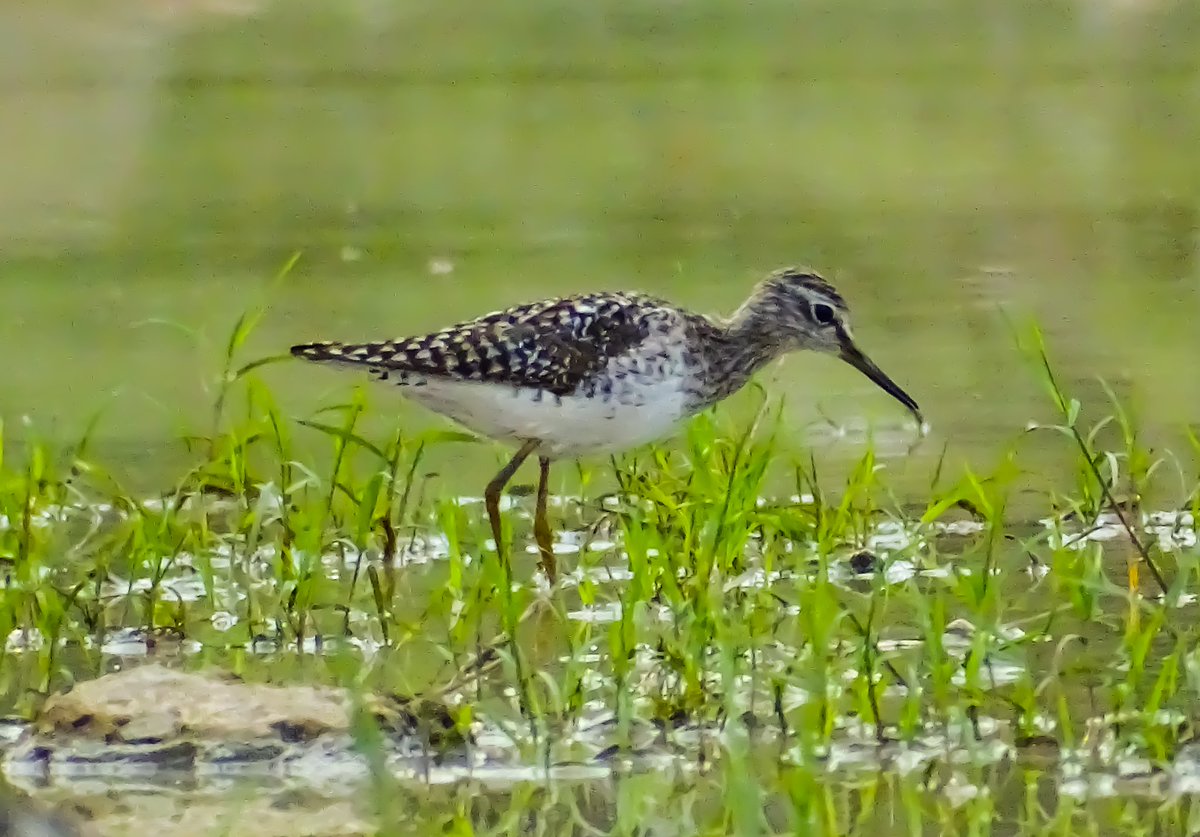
327, 351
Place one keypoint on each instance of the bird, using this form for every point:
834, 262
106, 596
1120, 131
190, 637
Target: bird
602, 372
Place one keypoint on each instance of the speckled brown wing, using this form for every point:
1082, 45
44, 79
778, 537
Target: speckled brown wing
552, 345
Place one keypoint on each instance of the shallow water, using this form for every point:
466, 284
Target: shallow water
950, 167
982, 772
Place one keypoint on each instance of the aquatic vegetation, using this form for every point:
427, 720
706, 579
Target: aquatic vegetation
726, 614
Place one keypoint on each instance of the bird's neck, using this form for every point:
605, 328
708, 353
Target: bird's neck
736, 349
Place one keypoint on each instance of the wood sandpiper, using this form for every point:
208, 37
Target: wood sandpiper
601, 372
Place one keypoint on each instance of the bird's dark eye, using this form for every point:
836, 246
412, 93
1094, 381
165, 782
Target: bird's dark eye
822, 313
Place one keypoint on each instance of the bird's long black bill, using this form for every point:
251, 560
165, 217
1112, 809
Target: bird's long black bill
854, 356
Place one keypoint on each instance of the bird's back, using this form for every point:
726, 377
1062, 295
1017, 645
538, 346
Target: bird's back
553, 345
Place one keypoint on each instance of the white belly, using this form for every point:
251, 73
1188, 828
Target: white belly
567, 427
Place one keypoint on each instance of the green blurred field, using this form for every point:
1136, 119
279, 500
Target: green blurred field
940, 160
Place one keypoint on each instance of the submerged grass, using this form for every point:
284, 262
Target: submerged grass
783, 641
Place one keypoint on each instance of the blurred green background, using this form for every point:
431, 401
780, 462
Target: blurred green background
949, 164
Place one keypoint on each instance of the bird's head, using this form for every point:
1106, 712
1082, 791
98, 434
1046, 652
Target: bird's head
797, 309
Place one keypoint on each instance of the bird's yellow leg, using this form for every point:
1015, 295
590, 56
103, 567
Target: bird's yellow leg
491, 495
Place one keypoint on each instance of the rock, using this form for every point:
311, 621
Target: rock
155, 703
152, 720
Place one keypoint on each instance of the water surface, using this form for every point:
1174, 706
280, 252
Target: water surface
947, 166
